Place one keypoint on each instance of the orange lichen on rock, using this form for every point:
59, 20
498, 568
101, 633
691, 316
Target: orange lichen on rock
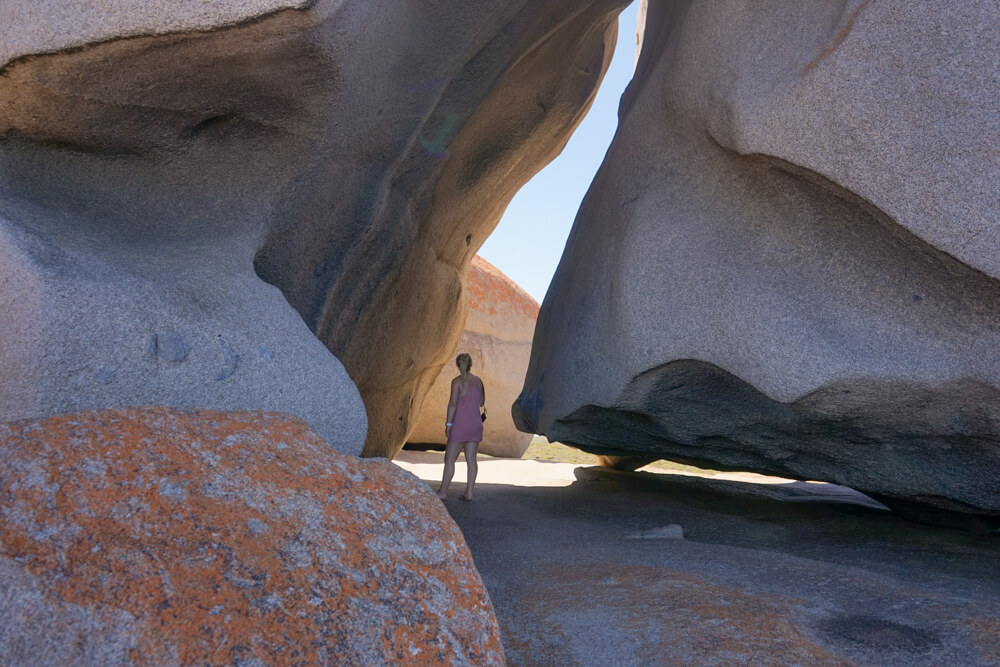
487, 288
160, 536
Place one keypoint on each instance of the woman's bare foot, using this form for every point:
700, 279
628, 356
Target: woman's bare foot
465, 496
442, 496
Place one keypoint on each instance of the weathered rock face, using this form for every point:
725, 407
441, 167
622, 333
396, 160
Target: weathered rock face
137, 178
788, 262
498, 337
158, 537
474, 122
156, 160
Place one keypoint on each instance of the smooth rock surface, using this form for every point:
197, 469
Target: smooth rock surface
156, 158
162, 537
765, 574
788, 260
498, 337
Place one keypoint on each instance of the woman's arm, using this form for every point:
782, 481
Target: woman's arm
482, 393
452, 405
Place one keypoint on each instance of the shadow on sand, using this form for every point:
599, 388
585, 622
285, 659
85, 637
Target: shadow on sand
773, 573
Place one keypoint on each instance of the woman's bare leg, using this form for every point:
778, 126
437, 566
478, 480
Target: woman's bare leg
470, 460
450, 456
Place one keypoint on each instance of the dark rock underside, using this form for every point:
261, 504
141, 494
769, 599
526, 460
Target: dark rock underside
928, 452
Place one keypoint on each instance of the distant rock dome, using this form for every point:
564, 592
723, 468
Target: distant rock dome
498, 336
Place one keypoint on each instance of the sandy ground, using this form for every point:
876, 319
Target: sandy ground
520, 472
428, 466
593, 567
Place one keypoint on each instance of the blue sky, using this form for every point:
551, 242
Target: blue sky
529, 240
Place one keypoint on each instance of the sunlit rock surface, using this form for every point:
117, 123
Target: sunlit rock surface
162, 537
788, 262
498, 337
164, 168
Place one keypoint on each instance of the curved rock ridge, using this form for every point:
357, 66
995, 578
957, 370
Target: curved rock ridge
462, 129
47, 26
796, 199
154, 187
163, 537
498, 337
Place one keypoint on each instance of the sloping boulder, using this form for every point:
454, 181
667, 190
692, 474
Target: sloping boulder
788, 260
162, 537
163, 165
498, 337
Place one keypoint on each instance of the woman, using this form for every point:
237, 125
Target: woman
464, 426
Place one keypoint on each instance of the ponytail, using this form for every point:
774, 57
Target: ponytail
464, 363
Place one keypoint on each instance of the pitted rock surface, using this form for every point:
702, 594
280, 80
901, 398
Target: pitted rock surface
157, 536
498, 337
135, 184
787, 262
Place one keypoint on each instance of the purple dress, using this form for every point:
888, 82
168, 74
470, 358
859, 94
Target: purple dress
467, 425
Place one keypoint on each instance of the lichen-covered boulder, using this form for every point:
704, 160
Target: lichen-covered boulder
788, 261
165, 165
498, 337
162, 537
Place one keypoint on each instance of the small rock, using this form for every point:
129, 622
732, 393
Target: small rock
670, 532
168, 345
229, 361
104, 376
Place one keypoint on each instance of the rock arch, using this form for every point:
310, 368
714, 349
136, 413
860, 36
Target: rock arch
162, 167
